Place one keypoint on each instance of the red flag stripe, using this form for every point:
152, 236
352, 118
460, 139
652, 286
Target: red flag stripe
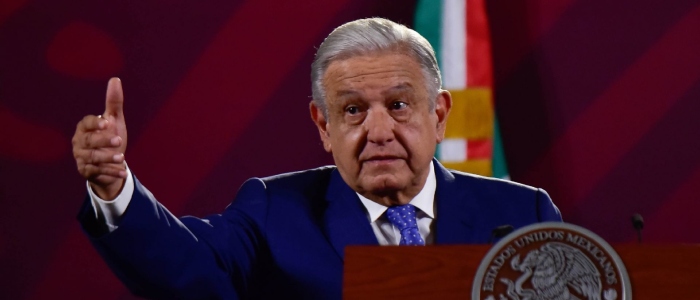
479, 149
479, 62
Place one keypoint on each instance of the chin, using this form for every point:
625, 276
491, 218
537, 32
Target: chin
384, 184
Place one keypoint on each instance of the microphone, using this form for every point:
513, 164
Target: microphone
500, 232
638, 223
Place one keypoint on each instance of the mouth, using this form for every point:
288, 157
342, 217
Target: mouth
381, 160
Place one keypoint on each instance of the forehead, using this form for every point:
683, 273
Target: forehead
366, 73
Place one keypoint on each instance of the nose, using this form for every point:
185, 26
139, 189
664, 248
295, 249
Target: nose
379, 126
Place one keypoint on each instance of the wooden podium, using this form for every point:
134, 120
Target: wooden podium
447, 272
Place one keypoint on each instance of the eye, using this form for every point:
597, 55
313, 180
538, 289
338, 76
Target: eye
352, 110
397, 105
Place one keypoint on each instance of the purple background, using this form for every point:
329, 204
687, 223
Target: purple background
597, 103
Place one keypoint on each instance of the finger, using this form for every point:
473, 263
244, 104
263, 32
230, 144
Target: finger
91, 123
114, 103
92, 172
101, 139
99, 156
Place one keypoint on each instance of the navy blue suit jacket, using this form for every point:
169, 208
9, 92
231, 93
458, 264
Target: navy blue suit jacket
284, 236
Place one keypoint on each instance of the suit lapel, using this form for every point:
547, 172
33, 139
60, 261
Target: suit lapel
455, 209
345, 220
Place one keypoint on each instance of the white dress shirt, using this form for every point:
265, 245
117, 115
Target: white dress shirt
112, 210
386, 233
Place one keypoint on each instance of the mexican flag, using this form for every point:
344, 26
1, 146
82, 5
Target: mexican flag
458, 31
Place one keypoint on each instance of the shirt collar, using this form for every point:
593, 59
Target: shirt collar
423, 201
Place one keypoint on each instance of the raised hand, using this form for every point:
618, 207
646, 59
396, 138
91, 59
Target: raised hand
99, 144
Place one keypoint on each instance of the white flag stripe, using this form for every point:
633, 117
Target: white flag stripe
453, 48
453, 150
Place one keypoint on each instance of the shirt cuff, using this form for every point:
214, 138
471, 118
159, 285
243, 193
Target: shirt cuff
112, 210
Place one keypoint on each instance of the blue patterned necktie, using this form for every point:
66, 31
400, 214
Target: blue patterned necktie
404, 218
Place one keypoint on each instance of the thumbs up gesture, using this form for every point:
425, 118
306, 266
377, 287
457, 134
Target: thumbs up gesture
99, 143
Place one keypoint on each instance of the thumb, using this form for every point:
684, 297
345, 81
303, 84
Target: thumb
114, 103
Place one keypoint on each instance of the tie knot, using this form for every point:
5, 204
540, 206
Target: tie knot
402, 216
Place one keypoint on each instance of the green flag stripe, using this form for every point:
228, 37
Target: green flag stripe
498, 162
428, 23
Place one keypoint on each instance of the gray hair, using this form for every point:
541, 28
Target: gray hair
372, 35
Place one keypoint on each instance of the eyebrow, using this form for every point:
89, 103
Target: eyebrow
400, 88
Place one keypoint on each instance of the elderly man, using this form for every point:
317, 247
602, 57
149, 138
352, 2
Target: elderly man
380, 112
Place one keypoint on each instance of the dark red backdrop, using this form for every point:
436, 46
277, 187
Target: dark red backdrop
597, 101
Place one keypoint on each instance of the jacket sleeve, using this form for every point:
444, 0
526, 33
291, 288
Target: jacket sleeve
157, 255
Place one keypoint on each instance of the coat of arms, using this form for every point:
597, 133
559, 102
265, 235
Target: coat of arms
551, 261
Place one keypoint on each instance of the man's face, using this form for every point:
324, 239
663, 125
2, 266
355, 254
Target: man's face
380, 128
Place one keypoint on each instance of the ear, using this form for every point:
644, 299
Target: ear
443, 104
322, 124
